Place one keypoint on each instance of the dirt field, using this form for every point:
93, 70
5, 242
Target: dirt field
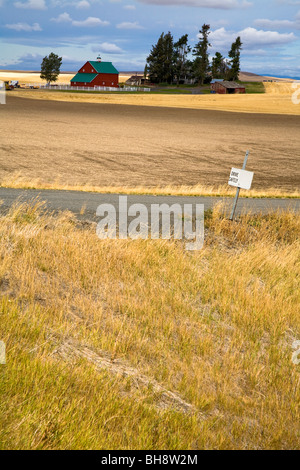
105, 145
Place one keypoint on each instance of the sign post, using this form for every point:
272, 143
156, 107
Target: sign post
241, 179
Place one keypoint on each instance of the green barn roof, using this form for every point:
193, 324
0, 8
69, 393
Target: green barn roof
103, 67
84, 77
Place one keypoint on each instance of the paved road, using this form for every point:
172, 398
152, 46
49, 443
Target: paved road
74, 201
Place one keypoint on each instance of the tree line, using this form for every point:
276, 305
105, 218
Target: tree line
170, 62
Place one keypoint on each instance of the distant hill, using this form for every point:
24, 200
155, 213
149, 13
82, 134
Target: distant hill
253, 77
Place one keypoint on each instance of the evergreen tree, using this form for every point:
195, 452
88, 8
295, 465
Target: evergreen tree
161, 60
50, 68
219, 67
200, 51
154, 61
235, 62
182, 64
169, 58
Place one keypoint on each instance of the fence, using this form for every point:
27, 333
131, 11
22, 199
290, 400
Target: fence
80, 88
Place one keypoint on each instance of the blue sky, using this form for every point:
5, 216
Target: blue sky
123, 31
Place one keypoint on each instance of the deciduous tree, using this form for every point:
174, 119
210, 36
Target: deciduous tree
50, 68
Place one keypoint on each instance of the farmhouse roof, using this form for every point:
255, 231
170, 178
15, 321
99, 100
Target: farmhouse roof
84, 77
136, 77
231, 85
104, 67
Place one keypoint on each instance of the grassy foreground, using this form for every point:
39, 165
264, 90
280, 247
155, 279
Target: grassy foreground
142, 345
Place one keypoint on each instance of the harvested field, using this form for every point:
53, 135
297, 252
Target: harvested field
111, 145
281, 89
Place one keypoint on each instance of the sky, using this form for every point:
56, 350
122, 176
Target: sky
123, 31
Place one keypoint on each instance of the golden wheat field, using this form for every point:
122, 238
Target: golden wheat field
269, 103
142, 345
277, 100
34, 77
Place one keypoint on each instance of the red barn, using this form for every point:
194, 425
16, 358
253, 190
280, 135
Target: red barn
224, 88
96, 73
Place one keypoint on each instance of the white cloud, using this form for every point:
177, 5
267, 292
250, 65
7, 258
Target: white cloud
83, 4
79, 4
218, 4
107, 47
24, 27
279, 24
90, 22
32, 5
274, 24
62, 18
129, 7
251, 37
129, 25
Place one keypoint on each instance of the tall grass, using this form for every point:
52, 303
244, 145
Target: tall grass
142, 345
17, 181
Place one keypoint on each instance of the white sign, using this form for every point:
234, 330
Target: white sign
241, 178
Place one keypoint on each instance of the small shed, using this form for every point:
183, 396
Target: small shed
227, 88
137, 80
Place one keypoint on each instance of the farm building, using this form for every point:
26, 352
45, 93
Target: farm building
137, 80
96, 73
224, 87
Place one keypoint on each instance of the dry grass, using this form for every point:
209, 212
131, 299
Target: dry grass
215, 328
17, 181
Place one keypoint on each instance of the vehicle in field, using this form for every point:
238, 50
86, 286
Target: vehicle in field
27, 86
8, 86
